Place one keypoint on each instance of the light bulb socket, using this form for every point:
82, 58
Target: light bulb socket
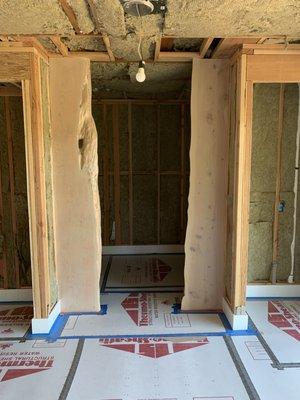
142, 64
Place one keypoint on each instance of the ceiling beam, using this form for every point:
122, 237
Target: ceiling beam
61, 47
99, 56
227, 46
68, 10
106, 42
31, 41
177, 56
205, 46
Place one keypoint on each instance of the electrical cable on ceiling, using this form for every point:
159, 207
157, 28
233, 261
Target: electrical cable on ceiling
140, 76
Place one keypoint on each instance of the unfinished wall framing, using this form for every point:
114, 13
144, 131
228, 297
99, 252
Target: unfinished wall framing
21, 63
274, 148
143, 157
248, 68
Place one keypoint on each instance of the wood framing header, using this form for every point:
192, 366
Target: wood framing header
14, 66
273, 68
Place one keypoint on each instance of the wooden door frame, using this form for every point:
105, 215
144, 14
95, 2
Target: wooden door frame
269, 65
20, 63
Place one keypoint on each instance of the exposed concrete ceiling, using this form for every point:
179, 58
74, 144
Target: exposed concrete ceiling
184, 19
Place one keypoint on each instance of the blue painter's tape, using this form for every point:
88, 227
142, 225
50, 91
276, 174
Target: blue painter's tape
195, 334
103, 311
54, 333
140, 290
176, 308
272, 298
225, 322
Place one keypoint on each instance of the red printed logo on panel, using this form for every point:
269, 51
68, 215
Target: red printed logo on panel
140, 308
285, 317
152, 347
15, 364
159, 270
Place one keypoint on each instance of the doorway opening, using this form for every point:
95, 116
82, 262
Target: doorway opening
143, 149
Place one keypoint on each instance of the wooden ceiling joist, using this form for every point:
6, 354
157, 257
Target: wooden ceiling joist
227, 46
205, 46
91, 55
106, 42
28, 41
68, 10
177, 56
61, 47
166, 43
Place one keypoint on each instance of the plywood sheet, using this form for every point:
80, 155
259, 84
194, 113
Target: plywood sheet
206, 230
75, 178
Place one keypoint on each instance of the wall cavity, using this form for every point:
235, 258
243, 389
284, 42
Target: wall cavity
263, 180
143, 158
15, 263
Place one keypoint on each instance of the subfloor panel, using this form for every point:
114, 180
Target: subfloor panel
35, 369
146, 272
278, 321
156, 368
141, 314
15, 320
270, 383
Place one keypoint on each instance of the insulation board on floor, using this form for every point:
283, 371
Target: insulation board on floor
279, 323
269, 382
157, 368
15, 320
146, 272
34, 369
141, 314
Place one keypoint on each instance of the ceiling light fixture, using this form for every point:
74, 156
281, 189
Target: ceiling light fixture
140, 75
138, 8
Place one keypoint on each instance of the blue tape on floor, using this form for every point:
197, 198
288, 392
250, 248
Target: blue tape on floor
103, 311
138, 290
145, 254
163, 335
272, 298
59, 324
223, 318
54, 333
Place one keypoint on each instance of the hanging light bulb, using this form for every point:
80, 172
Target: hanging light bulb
141, 76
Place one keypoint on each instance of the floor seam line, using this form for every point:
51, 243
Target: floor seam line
248, 384
69, 380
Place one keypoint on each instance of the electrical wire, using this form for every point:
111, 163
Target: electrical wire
140, 33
